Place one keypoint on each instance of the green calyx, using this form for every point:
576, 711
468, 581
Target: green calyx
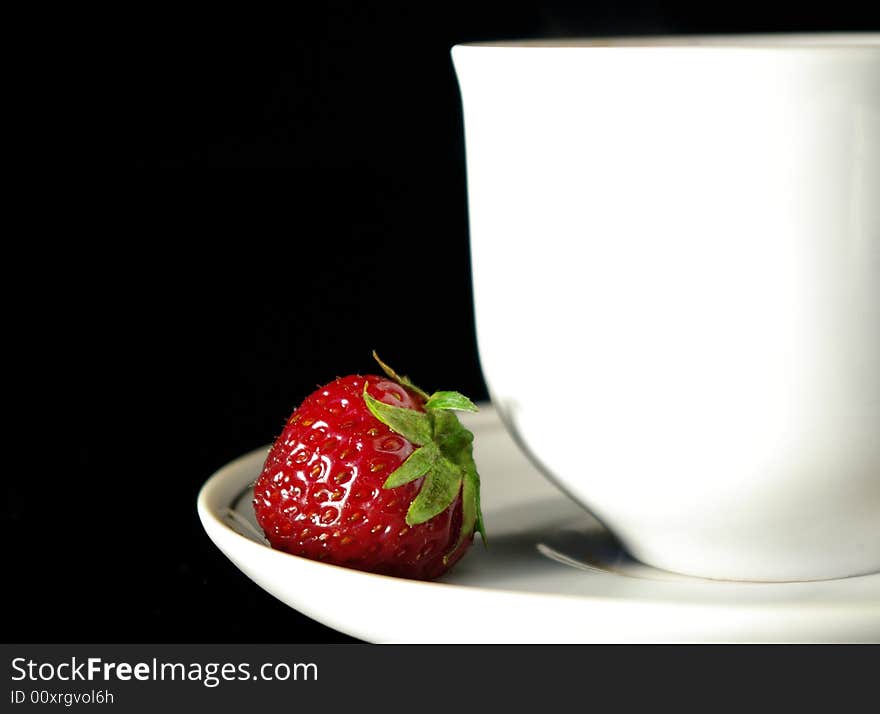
444, 457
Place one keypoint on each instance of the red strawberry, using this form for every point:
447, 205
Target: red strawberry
372, 473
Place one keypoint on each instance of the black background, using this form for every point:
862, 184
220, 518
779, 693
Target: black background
237, 206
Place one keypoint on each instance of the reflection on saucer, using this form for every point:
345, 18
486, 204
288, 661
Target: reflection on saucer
597, 551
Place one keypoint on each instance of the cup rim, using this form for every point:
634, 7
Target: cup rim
750, 41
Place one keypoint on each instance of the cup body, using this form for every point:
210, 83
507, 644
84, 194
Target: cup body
676, 267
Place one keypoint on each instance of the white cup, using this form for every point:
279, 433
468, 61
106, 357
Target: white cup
676, 260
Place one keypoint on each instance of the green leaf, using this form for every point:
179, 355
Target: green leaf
450, 400
398, 378
410, 424
415, 466
439, 489
474, 479
453, 440
470, 510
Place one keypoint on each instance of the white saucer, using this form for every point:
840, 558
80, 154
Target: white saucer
551, 574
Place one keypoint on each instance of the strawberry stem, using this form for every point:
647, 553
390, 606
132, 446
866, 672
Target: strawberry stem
404, 381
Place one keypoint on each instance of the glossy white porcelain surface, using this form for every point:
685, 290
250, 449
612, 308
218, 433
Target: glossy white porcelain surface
676, 262
551, 574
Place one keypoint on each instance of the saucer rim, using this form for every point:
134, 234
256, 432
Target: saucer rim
223, 488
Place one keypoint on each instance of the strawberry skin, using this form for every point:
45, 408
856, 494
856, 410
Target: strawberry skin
327, 490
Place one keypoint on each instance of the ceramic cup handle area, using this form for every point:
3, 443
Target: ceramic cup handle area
676, 262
